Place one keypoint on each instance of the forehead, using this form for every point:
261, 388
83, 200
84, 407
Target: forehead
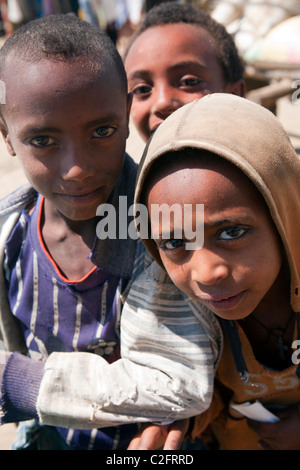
45, 84
168, 41
217, 184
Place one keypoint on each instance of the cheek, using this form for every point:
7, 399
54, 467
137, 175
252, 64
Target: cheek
261, 266
178, 274
271, 250
33, 165
139, 113
39, 175
271, 265
194, 96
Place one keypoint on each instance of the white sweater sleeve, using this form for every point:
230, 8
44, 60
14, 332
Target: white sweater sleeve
170, 347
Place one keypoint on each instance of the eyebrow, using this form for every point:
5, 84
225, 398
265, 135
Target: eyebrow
239, 220
166, 235
38, 130
173, 67
187, 63
242, 220
109, 118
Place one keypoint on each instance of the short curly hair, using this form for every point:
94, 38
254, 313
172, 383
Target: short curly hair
63, 37
173, 13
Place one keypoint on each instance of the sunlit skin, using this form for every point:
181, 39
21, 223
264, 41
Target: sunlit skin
169, 66
238, 269
242, 256
68, 127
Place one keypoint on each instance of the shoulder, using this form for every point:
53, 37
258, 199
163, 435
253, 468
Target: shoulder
18, 200
211, 325
150, 283
153, 292
157, 313
11, 208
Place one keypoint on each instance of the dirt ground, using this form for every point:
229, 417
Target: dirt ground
11, 177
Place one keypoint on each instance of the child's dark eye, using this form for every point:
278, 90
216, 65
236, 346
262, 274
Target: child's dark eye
190, 81
141, 90
105, 131
173, 244
232, 233
42, 141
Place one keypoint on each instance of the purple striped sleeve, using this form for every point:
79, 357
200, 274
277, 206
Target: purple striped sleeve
20, 387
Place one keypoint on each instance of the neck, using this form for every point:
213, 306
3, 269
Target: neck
69, 243
53, 220
270, 327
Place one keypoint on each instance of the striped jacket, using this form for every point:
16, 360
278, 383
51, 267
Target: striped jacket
170, 349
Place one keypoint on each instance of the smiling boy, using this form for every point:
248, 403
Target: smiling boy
66, 119
178, 54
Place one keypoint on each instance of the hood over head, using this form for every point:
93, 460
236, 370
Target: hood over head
253, 139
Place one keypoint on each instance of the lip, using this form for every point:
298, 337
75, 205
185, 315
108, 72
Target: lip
156, 126
85, 197
225, 302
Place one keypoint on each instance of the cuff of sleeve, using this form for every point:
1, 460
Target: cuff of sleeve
20, 387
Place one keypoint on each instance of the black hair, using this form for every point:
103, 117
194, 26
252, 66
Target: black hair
63, 37
173, 13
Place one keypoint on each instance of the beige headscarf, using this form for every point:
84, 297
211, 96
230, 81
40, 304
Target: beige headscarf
253, 139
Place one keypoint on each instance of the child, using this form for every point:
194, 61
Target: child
234, 157
66, 118
178, 54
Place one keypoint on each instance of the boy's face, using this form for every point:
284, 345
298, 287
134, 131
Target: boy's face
241, 256
169, 66
68, 126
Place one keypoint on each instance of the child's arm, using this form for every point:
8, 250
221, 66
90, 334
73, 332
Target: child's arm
20, 379
169, 355
170, 437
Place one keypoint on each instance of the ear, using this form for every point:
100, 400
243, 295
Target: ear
6, 137
236, 88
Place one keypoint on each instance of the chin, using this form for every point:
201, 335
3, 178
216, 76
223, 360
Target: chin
231, 315
79, 217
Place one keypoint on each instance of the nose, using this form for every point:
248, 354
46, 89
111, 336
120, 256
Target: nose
165, 100
77, 164
208, 268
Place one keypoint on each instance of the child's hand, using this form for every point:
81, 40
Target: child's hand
153, 436
283, 435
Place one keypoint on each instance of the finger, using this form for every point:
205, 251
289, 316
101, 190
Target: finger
151, 438
176, 435
174, 440
134, 444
